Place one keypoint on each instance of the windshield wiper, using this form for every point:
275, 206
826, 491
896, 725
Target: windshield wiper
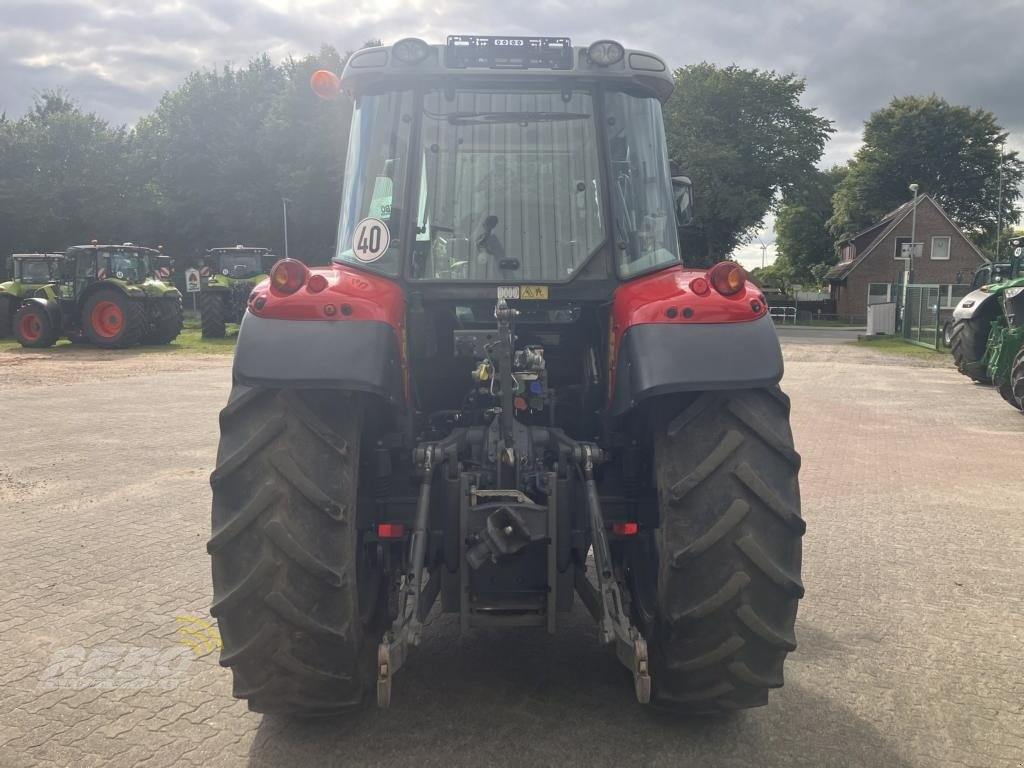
494, 118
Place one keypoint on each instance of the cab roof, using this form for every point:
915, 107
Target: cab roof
239, 248
503, 59
115, 247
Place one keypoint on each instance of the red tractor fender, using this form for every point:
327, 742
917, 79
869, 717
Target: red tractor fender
671, 334
342, 329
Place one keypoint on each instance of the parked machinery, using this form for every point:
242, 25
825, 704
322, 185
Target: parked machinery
110, 295
505, 370
987, 337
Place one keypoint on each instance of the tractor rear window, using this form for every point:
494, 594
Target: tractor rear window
509, 186
35, 271
240, 264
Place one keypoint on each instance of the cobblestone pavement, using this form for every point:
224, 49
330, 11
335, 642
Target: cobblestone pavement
910, 635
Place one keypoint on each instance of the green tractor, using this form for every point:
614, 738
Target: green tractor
110, 295
987, 337
227, 277
29, 272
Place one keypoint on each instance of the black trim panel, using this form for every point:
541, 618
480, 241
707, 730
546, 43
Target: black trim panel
359, 355
662, 358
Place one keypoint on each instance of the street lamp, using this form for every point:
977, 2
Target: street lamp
284, 204
908, 270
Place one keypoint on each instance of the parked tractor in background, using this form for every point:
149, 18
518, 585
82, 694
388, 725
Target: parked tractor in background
984, 275
987, 338
29, 272
109, 295
506, 392
227, 277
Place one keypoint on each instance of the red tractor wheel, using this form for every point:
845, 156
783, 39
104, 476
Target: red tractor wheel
112, 320
33, 327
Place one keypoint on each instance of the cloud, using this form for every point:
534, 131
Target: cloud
117, 57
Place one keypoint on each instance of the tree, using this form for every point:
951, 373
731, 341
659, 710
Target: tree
61, 177
743, 138
952, 152
803, 241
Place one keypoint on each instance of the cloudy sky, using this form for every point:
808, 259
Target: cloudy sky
116, 57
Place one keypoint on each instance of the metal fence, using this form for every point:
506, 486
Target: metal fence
783, 314
920, 323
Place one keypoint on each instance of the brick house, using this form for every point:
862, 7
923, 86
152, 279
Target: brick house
868, 270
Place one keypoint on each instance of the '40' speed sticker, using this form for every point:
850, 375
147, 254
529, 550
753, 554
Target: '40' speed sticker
370, 240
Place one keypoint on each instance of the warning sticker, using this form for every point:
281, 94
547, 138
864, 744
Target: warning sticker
371, 240
533, 292
523, 292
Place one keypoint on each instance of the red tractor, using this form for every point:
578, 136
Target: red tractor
507, 392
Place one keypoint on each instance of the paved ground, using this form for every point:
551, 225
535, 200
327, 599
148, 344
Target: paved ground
910, 635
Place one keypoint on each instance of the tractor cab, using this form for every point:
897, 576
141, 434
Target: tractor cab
36, 269
478, 163
239, 262
128, 264
989, 274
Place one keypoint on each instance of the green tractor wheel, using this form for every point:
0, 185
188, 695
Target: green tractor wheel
1016, 384
211, 308
968, 340
113, 321
33, 327
167, 321
6, 315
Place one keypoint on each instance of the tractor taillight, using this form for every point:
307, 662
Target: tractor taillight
727, 277
390, 530
316, 283
288, 275
700, 286
625, 528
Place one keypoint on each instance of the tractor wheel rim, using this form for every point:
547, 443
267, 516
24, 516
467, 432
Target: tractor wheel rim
31, 328
107, 319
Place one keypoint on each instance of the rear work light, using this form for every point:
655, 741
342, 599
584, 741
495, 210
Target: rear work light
410, 50
288, 275
727, 277
605, 53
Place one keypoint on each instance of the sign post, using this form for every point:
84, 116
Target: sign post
192, 284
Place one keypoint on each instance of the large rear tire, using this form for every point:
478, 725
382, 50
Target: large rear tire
113, 321
211, 310
167, 322
301, 608
715, 588
968, 340
1017, 380
32, 327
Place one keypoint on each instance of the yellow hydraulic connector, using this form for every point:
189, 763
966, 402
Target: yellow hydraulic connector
482, 372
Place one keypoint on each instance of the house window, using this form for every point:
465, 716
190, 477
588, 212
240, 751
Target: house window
879, 293
940, 248
900, 242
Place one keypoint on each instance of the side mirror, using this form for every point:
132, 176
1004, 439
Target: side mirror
682, 192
